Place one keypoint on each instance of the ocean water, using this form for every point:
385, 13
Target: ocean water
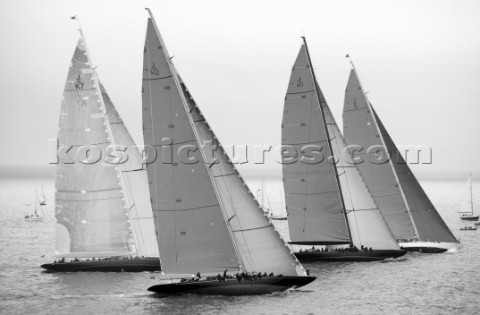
446, 283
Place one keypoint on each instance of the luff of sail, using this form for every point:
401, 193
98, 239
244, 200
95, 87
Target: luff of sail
90, 207
135, 183
428, 222
361, 130
312, 194
221, 226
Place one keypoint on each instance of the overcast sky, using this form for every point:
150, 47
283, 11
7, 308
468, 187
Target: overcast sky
419, 60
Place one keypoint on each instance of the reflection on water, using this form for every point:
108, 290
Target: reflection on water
416, 283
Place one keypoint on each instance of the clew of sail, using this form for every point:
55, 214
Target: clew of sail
90, 206
312, 194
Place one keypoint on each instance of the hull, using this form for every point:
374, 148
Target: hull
468, 229
112, 265
233, 287
361, 255
470, 218
430, 247
33, 219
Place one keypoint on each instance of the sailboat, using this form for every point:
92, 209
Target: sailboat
409, 213
466, 213
261, 193
102, 207
43, 199
35, 217
208, 222
327, 200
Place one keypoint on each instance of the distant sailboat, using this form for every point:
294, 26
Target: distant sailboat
103, 212
327, 203
468, 228
35, 217
410, 214
466, 213
208, 222
43, 199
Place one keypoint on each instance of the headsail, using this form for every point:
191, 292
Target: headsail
135, 183
312, 194
428, 222
211, 218
360, 129
90, 206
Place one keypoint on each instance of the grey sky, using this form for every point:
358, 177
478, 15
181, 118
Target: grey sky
418, 59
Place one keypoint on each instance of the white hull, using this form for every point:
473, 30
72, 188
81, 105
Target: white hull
431, 247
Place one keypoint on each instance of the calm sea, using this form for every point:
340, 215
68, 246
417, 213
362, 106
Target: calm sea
446, 283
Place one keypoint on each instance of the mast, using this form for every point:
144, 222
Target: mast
320, 99
36, 201
471, 193
370, 108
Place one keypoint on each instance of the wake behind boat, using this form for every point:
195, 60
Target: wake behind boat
206, 217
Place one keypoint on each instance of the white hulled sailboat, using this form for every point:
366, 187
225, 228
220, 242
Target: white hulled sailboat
327, 203
207, 220
410, 214
35, 217
102, 208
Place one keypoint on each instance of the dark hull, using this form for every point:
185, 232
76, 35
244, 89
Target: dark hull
361, 255
474, 218
112, 265
233, 286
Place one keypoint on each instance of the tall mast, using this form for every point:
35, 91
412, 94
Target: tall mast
471, 193
370, 108
320, 98
200, 147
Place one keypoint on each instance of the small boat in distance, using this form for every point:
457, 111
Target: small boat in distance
35, 217
213, 237
43, 199
468, 228
466, 212
327, 201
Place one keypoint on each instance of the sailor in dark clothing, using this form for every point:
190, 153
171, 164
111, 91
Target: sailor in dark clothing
239, 277
225, 275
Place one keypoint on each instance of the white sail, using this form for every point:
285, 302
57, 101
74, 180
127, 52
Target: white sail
427, 221
467, 203
361, 130
367, 225
135, 183
91, 213
312, 194
212, 221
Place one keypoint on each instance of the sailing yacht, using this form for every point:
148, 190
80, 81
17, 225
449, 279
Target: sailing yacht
409, 213
35, 217
43, 199
104, 220
466, 212
208, 222
327, 202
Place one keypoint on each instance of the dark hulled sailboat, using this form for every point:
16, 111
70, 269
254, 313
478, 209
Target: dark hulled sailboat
327, 203
103, 212
206, 217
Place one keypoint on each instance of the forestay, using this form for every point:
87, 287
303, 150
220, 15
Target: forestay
312, 194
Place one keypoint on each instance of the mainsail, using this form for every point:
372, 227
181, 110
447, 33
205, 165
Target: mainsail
467, 203
361, 130
410, 213
101, 210
364, 222
312, 194
207, 219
